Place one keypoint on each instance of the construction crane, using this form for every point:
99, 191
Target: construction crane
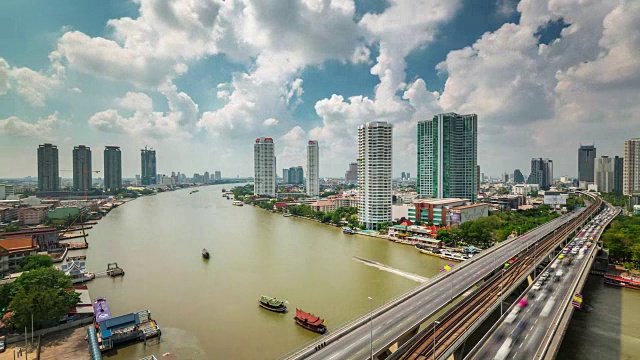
84, 173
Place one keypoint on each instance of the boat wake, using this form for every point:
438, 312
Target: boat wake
375, 264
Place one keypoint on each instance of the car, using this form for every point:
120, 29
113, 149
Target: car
564, 251
504, 350
3, 344
512, 316
561, 256
523, 302
537, 286
553, 266
559, 274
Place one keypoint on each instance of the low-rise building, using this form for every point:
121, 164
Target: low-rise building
402, 211
8, 213
346, 201
506, 202
323, 205
45, 238
466, 213
12, 251
33, 215
63, 213
6, 191
436, 210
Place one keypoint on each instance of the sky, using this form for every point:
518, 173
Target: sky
199, 80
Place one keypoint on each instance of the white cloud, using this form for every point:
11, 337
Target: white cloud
292, 147
43, 128
177, 123
33, 86
4, 76
270, 122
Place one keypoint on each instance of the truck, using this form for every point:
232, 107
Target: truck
567, 260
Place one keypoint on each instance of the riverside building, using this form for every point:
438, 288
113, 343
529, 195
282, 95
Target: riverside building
264, 165
313, 165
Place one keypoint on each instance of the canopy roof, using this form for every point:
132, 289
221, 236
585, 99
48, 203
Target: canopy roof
309, 318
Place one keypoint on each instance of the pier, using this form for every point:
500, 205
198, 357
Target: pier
113, 270
135, 326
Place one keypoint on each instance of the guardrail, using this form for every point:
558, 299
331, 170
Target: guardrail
312, 346
567, 310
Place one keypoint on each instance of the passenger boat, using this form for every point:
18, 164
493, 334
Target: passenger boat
611, 279
347, 230
272, 304
101, 310
205, 254
310, 322
237, 203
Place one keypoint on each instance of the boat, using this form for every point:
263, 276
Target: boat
224, 190
347, 230
622, 281
101, 309
193, 191
310, 322
205, 254
237, 203
287, 215
272, 304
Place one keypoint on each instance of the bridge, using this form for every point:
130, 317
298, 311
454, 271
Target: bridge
395, 325
536, 330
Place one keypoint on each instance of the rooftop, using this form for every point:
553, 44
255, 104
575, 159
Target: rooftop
18, 244
439, 201
469, 206
323, 203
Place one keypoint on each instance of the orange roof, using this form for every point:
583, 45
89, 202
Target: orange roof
18, 244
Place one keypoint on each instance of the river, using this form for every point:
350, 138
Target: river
208, 310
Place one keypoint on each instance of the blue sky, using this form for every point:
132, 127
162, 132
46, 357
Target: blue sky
199, 81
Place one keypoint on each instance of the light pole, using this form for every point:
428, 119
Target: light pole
371, 325
434, 338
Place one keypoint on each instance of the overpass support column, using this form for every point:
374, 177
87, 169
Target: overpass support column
394, 347
459, 353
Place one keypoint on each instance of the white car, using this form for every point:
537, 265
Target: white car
512, 316
537, 286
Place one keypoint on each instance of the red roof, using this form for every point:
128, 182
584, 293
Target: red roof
18, 244
309, 318
406, 223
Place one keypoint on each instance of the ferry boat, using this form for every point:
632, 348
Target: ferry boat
272, 304
205, 254
237, 203
631, 283
310, 322
347, 230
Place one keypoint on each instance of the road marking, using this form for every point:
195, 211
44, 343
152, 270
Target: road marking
520, 347
527, 336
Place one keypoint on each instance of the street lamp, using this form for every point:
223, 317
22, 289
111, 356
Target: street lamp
434, 338
371, 326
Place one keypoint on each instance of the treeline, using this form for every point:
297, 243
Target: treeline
336, 217
484, 232
622, 239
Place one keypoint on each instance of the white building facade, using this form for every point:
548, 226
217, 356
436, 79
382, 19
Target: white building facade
374, 173
264, 164
603, 174
313, 165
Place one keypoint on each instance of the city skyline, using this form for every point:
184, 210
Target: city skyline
99, 76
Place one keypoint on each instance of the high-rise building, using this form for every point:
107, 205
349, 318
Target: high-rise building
149, 173
218, 175
408, 176
296, 175
313, 168
82, 173
618, 166
48, 174
374, 173
403, 175
112, 168
207, 177
631, 167
448, 156
264, 165
351, 175
505, 177
604, 174
541, 173
518, 178
586, 161
285, 176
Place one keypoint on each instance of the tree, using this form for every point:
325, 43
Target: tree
43, 293
5, 296
444, 236
33, 262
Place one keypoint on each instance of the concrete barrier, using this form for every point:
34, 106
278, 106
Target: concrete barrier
17, 338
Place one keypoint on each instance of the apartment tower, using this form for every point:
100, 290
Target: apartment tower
631, 167
148, 164
112, 168
448, 156
264, 165
374, 173
313, 167
82, 173
48, 174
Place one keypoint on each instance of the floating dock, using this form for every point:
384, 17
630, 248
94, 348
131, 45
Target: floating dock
117, 330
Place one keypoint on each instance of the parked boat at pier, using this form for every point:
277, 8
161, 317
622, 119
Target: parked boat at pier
622, 281
205, 254
272, 304
347, 230
310, 322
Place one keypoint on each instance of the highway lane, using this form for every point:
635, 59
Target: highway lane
526, 332
393, 323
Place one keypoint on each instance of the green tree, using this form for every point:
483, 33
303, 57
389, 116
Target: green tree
6, 291
44, 293
444, 236
33, 262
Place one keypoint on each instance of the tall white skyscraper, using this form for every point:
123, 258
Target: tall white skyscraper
264, 164
313, 164
374, 173
631, 167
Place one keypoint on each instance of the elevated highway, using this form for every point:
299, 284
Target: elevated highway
399, 320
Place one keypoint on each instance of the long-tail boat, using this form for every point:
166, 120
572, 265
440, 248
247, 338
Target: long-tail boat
310, 322
205, 254
272, 304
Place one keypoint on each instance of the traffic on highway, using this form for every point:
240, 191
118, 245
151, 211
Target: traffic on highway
524, 329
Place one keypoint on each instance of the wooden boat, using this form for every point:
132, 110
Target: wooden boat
310, 322
205, 254
272, 304
347, 230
